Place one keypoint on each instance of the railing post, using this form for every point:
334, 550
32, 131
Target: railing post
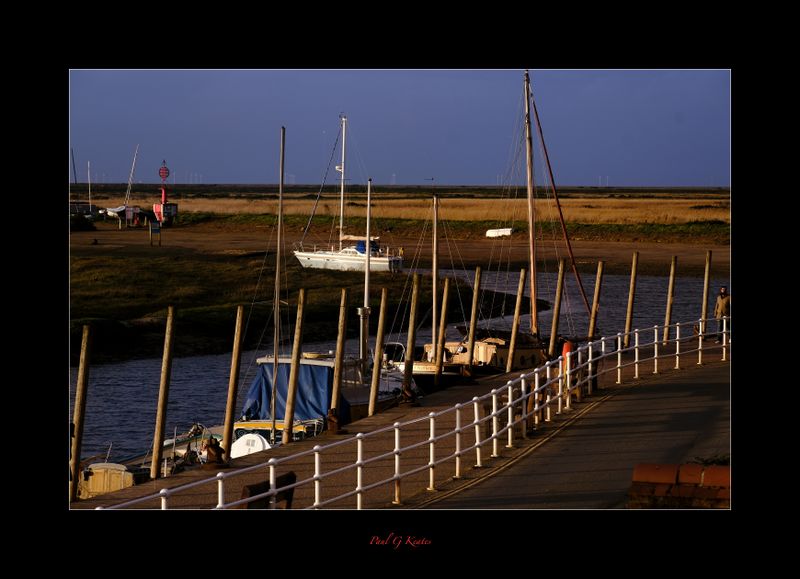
678, 346
273, 483
578, 385
359, 469
536, 410
549, 388
700, 343
220, 489
397, 499
655, 350
591, 369
636, 354
164, 497
317, 475
619, 358
475, 403
431, 462
724, 338
510, 443
524, 394
567, 365
495, 444
560, 384
458, 442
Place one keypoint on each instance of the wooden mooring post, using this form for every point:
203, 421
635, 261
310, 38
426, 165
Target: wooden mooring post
512, 347
706, 279
551, 351
626, 340
333, 413
291, 394
596, 300
473, 318
78, 411
670, 293
233, 385
376, 366
163, 395
440, 341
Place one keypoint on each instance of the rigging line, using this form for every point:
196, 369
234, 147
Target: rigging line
466, 276
321, 187
560, 213
253, 301
566, 311
407, 302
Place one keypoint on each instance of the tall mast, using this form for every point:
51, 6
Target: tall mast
276, 305
74, 172
89, 176
364, 311
130, 177
531, 213
341, 193
434, 313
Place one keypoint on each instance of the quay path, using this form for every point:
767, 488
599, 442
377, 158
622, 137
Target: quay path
674, 419
582, 458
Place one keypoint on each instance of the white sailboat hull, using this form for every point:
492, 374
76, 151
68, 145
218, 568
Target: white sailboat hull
347, 261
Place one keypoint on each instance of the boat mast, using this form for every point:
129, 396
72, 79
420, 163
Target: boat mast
435, 310
276, 305
130, 177
341, 193
531, 213
364, 311
89, 176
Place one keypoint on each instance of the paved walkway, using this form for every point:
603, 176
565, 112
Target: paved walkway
672, 419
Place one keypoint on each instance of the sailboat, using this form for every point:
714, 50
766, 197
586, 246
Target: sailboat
263, 420
493, 347
424, 371
350, 257
129, 213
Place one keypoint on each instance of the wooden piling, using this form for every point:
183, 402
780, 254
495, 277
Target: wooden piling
706, 278
376, 366
233, 384
339, 358
473, 318
163, 395
288, 417
78, 412
435, 276
556, 308
670, 290
596, 300
440, 341
512, 347
412, 338
631, 294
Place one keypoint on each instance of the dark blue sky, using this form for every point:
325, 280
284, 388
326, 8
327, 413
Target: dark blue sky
624, 127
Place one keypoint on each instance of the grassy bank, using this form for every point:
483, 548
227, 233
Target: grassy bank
125, 299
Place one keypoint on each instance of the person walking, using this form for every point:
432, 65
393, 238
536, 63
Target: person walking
722, 309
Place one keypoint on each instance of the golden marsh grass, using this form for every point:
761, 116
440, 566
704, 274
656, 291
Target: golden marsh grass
590, 210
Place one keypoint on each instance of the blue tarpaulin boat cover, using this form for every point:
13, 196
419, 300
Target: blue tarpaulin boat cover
313, 398
362, 245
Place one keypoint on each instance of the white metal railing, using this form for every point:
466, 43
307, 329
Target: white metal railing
580, 369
